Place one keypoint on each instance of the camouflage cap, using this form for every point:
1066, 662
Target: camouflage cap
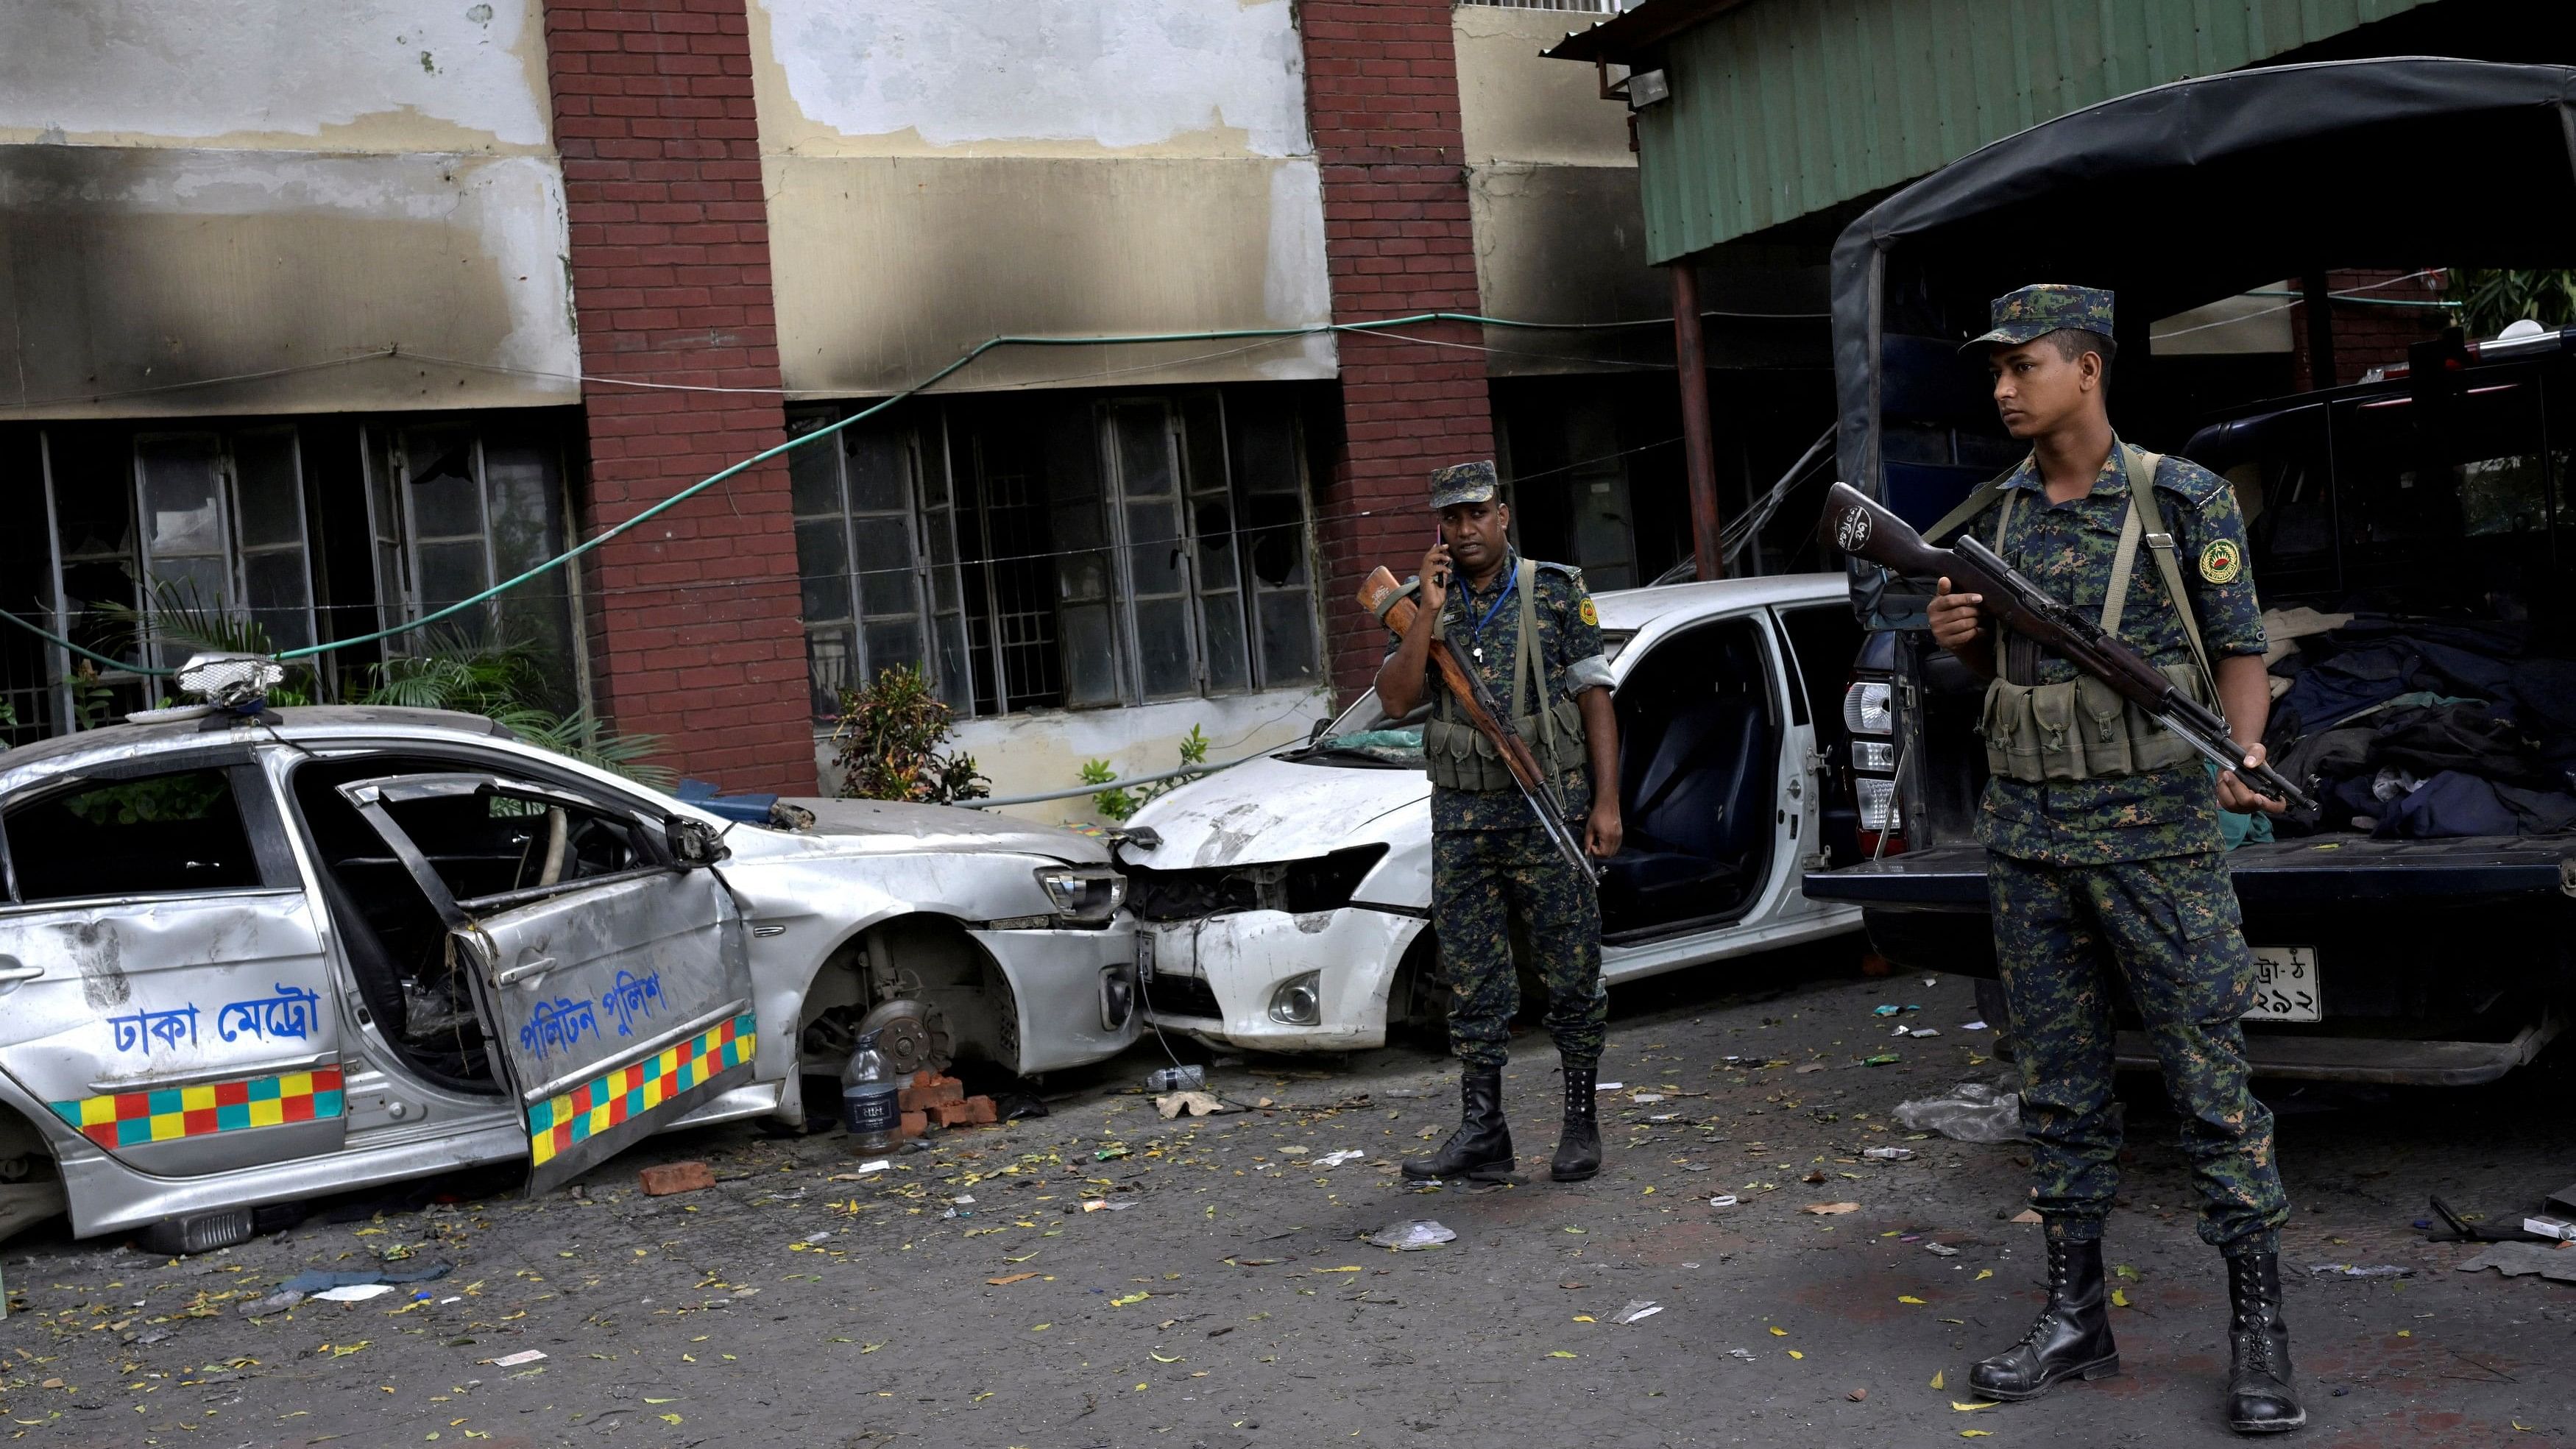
2045, 307
1462, 483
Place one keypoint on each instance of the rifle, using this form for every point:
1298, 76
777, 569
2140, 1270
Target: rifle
1862, 529
1489, 720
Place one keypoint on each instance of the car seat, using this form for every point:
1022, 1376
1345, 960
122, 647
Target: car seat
1696, 818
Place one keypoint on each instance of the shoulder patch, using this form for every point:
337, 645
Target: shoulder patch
1589, 614
2187, 479
2222, 561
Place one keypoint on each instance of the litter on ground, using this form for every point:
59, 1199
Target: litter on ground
1406, 1236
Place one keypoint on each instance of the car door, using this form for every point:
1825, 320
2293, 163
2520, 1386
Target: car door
163, 988
1822, 639
611, 967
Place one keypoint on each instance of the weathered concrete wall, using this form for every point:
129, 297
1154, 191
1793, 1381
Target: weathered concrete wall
1043, 749
351, 75
197, 189
949, 170
1560, 228
130, 276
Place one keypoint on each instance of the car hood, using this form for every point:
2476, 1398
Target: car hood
1269, 809
894, 825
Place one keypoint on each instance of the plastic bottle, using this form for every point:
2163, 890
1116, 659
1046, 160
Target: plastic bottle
870, 1105
1176, 1079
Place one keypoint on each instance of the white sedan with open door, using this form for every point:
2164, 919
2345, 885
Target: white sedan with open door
246, 962
1284, 904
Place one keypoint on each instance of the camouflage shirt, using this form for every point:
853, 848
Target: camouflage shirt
1569, 658
2067, 549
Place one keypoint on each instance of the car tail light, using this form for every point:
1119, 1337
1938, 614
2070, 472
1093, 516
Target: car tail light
1870, 717
1867, 707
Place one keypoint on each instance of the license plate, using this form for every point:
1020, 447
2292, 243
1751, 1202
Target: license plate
1144, 958
2285, 984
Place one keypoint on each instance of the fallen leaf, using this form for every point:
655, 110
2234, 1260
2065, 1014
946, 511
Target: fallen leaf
1857, 1395
1936, 1377
1976, 1433
1793, 1353
1158, 1358
1982, 1275
1814, 1174
1970, 1408
670, 1418
1909, 1298
2124, 1271
1585, 1318
1040, 1327
1778, 1332
1559, 1353
2026, 1215
1828, 1209
1137, 1297
1013, 1278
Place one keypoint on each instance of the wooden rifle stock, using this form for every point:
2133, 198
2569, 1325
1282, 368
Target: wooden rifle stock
1860, 527
1469, 692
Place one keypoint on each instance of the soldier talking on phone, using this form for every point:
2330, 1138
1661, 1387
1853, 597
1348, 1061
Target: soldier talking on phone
1529, 631
2103, 846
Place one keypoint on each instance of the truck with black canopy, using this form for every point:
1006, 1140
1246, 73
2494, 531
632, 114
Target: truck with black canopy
2412, 533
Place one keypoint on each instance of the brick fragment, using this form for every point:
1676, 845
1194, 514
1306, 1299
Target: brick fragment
979, 1110
939, 1090
951, 1114
666, 1178
914, 1124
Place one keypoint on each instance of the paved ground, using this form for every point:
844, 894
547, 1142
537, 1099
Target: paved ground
1221, 1296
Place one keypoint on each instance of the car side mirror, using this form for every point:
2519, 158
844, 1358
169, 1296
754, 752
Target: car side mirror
694, 842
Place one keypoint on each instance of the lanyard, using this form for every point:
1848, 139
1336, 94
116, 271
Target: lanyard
1511, 581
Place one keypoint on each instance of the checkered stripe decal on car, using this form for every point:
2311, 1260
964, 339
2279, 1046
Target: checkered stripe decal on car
130, 1119
604, 1101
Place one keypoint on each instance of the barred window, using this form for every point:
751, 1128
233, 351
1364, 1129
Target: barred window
1054, 551
153, 541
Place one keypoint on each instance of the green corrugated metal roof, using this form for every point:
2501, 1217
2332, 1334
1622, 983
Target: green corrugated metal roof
1783, 108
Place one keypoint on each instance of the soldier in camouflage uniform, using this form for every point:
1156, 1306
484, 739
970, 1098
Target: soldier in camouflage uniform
1529, 630
2104, 854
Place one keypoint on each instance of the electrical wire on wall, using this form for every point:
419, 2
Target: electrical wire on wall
1254, 336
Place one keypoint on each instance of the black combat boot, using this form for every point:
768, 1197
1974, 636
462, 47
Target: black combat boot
1578, 1148
2259, 1400
2071, 1338
1482, 1145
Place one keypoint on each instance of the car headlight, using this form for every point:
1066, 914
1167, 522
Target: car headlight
1082, 893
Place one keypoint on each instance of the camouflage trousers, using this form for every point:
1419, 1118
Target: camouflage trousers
1480, 880
2171, 929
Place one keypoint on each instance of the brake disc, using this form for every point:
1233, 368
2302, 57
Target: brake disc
911, 1035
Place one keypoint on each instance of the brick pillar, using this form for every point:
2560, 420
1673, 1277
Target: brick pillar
693, 622
1382, 104
2367, 335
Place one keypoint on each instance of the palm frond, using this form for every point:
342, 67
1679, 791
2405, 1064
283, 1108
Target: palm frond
507, 682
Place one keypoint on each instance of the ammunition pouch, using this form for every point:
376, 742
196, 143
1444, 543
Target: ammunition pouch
1459, 757
2082, 729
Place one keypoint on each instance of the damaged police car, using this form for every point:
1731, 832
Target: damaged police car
245, 960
